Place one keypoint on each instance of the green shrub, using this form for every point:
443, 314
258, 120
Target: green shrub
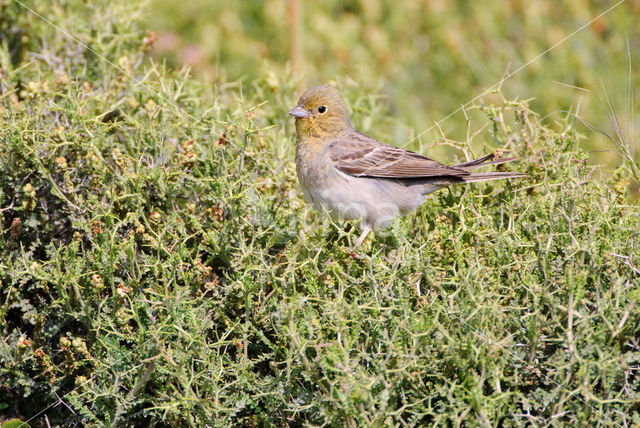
159, 266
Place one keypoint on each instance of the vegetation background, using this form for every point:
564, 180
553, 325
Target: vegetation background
159, 266
424, 57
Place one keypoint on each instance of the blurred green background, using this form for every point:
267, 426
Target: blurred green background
427, 56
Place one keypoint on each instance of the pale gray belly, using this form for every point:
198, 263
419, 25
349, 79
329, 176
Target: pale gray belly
373, 201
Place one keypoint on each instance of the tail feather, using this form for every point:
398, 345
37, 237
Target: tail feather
485, 176
484, 161
464, 174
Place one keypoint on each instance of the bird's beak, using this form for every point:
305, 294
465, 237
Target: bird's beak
299, 111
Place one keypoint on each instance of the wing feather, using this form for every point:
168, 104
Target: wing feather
360, 155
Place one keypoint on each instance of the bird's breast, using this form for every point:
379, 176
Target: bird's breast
316, 173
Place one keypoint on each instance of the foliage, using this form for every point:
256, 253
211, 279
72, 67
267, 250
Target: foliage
159, 266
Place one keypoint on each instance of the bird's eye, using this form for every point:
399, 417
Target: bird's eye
322, 109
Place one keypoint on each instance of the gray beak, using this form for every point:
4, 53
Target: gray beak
299, 111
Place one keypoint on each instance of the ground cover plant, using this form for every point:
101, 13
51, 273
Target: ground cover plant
159, 266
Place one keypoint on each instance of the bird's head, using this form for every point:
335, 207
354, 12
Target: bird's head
320, 112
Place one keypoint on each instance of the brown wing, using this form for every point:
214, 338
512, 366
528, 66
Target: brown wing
360, 155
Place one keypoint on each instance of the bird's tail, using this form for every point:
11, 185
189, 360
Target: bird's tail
484, 176
491, 159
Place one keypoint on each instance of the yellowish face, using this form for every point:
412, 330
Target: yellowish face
320, 112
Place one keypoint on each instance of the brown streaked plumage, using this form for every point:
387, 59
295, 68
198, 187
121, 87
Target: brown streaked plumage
353, 176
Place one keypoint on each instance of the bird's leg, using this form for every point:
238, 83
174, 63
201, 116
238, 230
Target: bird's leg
365, 231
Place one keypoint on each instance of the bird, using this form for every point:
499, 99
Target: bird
351, 176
